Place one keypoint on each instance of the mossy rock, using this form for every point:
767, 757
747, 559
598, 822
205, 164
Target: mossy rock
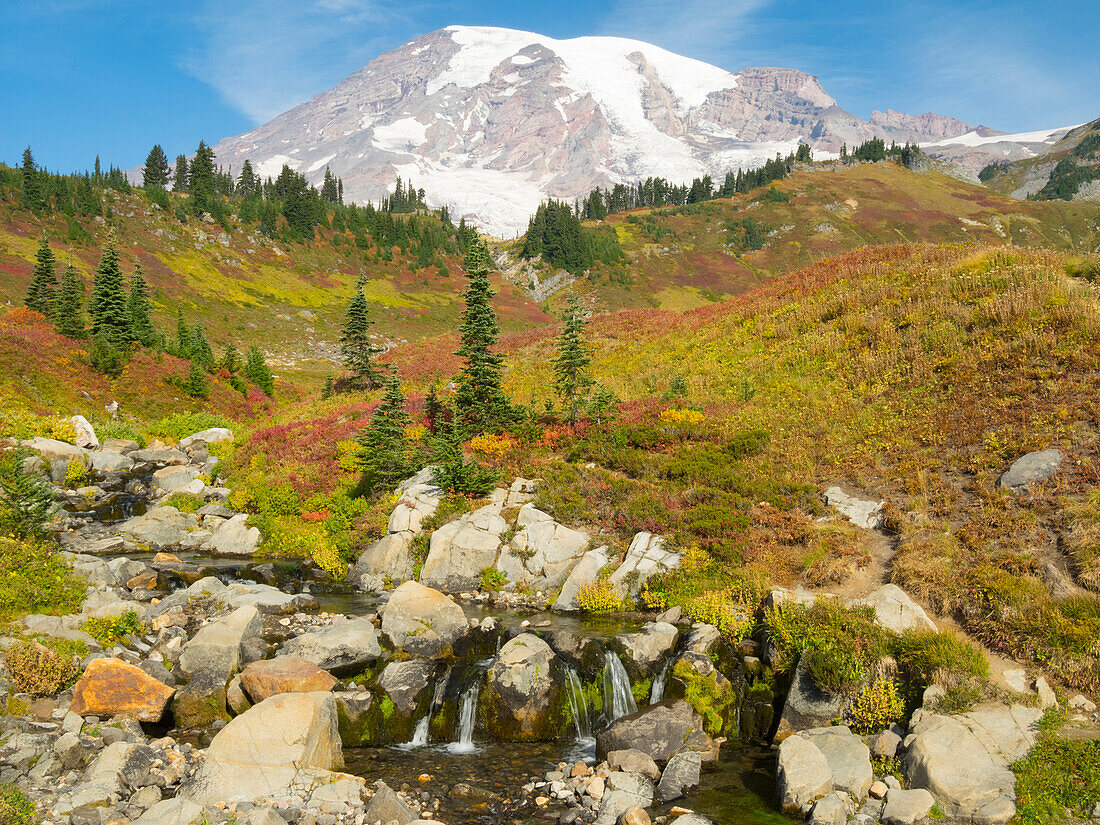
714, 697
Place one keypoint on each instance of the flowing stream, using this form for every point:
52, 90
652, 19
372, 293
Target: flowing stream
467, 716
618, 701
657, 692
578, 705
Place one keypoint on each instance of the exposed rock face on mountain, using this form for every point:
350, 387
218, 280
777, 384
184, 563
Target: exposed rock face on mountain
491, 121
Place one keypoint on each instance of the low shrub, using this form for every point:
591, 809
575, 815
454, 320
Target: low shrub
876, 707
39, 671
492, 579
35, 579
16, 808
722, 609
1059, 779
185, 502
182, 424
109, 630
599, 597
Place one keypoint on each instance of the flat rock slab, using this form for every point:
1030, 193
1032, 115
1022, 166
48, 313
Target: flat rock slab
659, 730
342, 648
861, 512
1030, 469
112, 687
285, 674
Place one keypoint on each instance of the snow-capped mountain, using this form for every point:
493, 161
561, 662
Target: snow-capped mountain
491, 121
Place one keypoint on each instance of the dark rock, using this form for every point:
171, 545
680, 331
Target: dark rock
202, 700
659, 730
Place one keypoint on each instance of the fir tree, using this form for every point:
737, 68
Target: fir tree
572, 377
155, 171
139, 309
108, 307
43, 285
199, 348
231, 363
384, 447
329, 192
31, 194
200, 179
69, 310
257, 371
26, 497
183, 336
196, 384
480, 402
247, 184
179, 177
355, 343
454, 473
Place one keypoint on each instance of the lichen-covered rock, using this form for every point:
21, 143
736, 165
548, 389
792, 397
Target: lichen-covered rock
111, 687
585, 571
342, 648
647, 649
421, 620
461, 549
523, 691
159, 528
645, 556
807, 705
202, 701
286, 674
542, 552
1030, 469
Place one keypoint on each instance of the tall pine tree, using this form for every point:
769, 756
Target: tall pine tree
43, 286
200, 180
31, 194
155, 171
257, 371
355, 343
179, 176
69, 310
199, 348
480, 403
108, 307
384, 448
139, 308
572, 378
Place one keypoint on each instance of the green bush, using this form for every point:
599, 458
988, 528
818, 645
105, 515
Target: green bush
877, 706
34, 579
185, 502
39, 671
111, 629
492, 579
182, 424
599, 597
16, 808
1058, 779
26, 497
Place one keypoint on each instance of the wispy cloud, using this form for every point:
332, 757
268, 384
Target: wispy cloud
704, 29
266, 56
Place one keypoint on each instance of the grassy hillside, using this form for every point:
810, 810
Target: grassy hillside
1061, 173
243, 287
684, 257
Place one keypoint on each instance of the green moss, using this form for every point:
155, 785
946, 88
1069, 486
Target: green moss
1059, 779
16, 808
715, 702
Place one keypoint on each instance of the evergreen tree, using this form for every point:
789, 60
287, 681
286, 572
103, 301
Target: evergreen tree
155, 172
196, 384
108, 307
69, 311
43, 286
31, 194
231, 363
139, 308
200, 179
257, 371
454, 473
329, 192
480, 402
384, 447
179, 177
248, 183
199, 348
572, 377
26, 497
355, 343
183, 336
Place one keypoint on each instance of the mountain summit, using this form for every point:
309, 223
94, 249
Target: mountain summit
491, 121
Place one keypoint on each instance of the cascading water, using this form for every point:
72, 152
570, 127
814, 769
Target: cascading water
467, 716
420, 735
657, 692
618, 701
578, 705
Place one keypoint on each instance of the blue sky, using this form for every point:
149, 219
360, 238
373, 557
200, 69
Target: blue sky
79, 77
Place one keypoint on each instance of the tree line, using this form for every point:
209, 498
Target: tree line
117, 319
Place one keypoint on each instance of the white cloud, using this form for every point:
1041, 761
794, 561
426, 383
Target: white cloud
266, 56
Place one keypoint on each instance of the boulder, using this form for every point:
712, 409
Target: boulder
907, 807
1030, 469
680, 774
635, 816
542, 552
57, 454
649, 648
233, 537
803, 774
964, 760
417, 499
645, 556
121, 767
404, 682
217, 646
422, 620
659, 730
896, 611
111, 687
848, 757
174, 811
159, 528
265, 598
623, 792
355, 719
633, 761
461, 549
174, 478
342, 648
807, 705
387, 807
211, 435
286, 674
885, 745
586, 570
85, 432
830, 810
291, 740
523, 691
390, 556
109, 461
861, 512
202, 701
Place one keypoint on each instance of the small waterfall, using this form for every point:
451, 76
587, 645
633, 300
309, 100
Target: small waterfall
467, 716
420, 735
578, 705
618, 701
657, 692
